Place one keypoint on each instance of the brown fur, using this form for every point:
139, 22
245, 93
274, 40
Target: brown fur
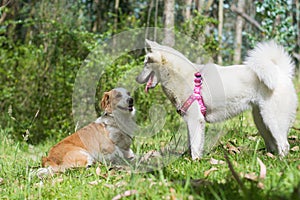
87, 145
67, 152
105, 102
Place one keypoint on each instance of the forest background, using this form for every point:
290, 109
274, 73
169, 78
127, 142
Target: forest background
44, 43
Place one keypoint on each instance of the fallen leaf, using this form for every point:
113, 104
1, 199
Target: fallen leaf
112, 172
1, 181
298, 167
125, 194
149, 155
251, 176
253, 138
216, 162
163, 183
89, 175
98, 171
263, 169
293, 137
188, 159
232, 149
173, 192
57, 180
190, 197
151, 184
295, 148
109, 186
121, 183
270, 155
96, 182
206, 173
260, 185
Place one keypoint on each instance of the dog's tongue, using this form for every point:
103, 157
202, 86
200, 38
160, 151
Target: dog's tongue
149, 83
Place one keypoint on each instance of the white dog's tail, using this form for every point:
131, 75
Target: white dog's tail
269, 60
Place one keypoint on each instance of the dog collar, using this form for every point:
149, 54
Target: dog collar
195, 96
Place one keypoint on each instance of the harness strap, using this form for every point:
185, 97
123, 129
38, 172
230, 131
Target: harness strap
195, 96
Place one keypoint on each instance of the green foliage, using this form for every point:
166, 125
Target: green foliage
196, 28
277, 23
42, 50
37, 78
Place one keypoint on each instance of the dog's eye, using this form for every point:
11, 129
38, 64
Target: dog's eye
128, 93
118, 95
148, 59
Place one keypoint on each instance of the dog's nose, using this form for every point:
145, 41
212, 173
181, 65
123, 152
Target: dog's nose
130, 101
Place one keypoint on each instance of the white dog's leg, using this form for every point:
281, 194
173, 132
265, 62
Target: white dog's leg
263, 130
273, 129
196, 130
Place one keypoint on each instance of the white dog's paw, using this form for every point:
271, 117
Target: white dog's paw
284, 150
43, 172
130, 154
196, 155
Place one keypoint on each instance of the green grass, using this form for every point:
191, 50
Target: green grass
182, 179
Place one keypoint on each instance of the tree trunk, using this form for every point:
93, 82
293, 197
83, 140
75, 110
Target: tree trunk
155, 19
248, 18
117, 3
238, 34
296, 2
97, 21
203, 5
220, 29
187, 10
3, 14
169, 36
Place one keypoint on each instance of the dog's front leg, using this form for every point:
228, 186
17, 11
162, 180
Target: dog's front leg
196, 130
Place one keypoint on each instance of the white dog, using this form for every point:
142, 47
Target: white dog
263, 82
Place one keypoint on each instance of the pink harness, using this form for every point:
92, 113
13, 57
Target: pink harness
195, 96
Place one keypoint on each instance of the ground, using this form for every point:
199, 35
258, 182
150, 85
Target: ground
237, 167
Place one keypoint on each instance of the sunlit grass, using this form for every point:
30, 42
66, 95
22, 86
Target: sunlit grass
181, 179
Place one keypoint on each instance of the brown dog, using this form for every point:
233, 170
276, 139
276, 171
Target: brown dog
102, 140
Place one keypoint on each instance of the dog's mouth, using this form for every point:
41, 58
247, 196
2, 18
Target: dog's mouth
129, 108
150, 83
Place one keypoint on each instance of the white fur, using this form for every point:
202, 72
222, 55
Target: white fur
264, 83
268, 61
43, 172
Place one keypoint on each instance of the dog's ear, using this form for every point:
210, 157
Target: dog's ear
105, 102
152, 45
147, 48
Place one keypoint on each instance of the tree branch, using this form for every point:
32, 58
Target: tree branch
3, 16
247, 17
297, 129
